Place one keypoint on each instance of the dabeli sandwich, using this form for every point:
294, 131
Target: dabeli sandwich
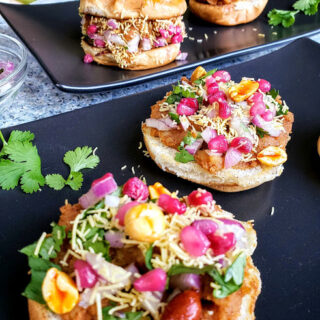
227, 12
225, 135
133, 35
136, 252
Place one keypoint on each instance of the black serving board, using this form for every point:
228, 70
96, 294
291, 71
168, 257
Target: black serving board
287, 255
52, 33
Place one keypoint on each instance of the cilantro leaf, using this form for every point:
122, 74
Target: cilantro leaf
261, 132
81, 158
209, 73
174, 117
178, 93
23, 163
189, 139
126, 316
22, 136
273, 93
180, 268
39, 268
308, 7
236, 271
148, 257
99, 246
55, 181
58, 234
183, 156
284, 17
75, 180
118, 191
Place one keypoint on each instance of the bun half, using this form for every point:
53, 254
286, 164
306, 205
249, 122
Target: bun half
127, 9
237, 12
140, 61
226, 180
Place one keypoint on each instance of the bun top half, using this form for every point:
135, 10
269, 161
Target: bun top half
127, 9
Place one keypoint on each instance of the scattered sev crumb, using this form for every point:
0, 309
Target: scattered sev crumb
215, 31
261, 35
132, 169
272, 211
190, 28
206, 36
254, 29
274, 33
146, 153
140, 145
199, 40
191, 38
242, 30
123, 167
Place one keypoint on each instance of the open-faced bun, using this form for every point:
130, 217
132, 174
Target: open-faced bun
38, 311
140, 61
227, 180
127, 9
237, 12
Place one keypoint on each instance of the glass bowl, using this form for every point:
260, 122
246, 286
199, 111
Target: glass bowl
13, 69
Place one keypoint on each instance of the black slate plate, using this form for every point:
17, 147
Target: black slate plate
288, 253
52, 33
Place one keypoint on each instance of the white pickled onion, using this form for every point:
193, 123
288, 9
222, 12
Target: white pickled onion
113, 24
89, 199
114, 238
123, 210
160, 124
186, 281
208, 133
232, 157
86, 277
236, 227
154, 280
266, 126
206, 226
111, 201
146, 44
113, 38
184, 122
182, 56
160, 42
133, 270
194, 147
194, 241
241, 128
151, 301
169, 122
133, 44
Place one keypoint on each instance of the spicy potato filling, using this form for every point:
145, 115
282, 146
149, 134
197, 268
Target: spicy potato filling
221, 124
135, 35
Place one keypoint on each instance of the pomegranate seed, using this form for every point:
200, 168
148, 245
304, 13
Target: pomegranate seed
199, 197
177, 38
194, 241
212, 88
178, 30
222, 76
136, 189
256, 97
264, 85
206, 226
171, 205
224, 110
243, 144
217, 97
87, 58
257, 108
154, 280
267, 115
218, 144
187, 106
92, 29
99, 43
164, 33
222, 244
210, 80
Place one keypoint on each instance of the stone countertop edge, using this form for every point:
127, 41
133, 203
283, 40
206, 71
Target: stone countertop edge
38, 98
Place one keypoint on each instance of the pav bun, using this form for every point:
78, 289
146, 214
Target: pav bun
141, 61
237, 12
127, 9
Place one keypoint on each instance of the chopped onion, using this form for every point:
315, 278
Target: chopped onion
111, 201
113, 24
86, 277
208, 134
133, 270
236, 227
146, 44
113, 38
184, 122
241, 128
114, 238
266, 126
182, 56
161, 124
151, 301
133, 44
233, 156
160, 42
193, 148
186, 281
154, 280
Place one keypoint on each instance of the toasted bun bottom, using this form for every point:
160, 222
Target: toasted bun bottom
227, 180
238, 12
141, 61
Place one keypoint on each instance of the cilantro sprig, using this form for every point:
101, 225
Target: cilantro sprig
287, 17
201, 80
78, 159
148, 257
280, 108
20, 163
229, 281
126, 316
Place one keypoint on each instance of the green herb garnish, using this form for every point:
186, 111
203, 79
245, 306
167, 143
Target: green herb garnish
183, 155
174, 117
178, 93
201, 80
261, 132
274, 93
188, 139
126, 315
148, 257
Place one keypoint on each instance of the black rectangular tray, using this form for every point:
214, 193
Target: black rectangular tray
52, 33
287, 255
